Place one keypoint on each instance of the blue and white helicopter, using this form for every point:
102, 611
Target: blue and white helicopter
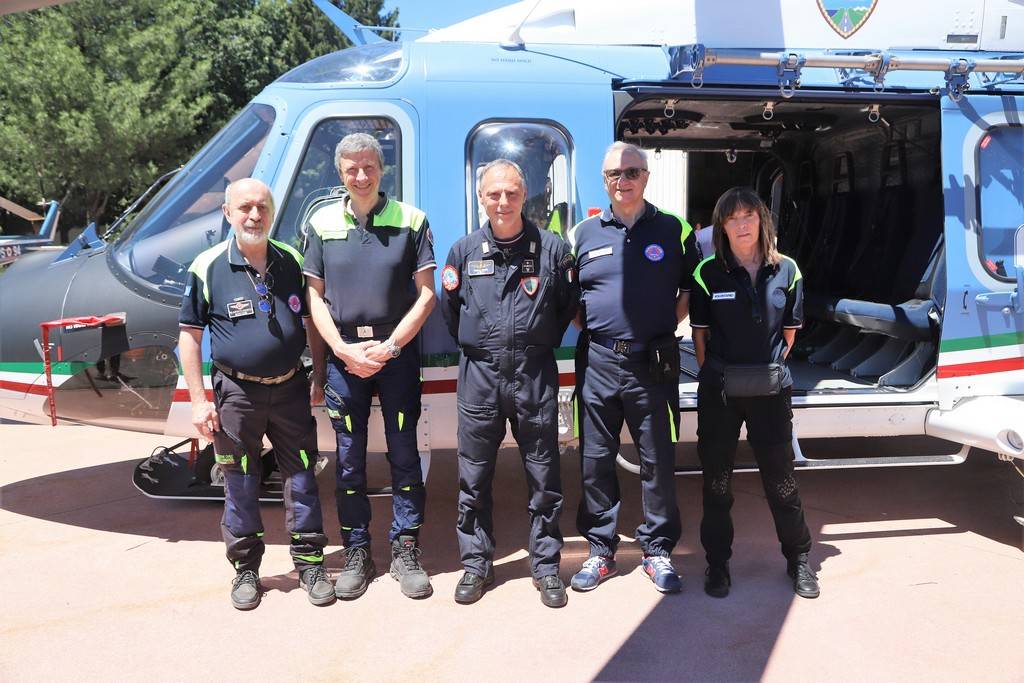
888, 138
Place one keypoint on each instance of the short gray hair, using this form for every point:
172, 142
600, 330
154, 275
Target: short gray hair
501, 163
620, 146
232, 185
353, 143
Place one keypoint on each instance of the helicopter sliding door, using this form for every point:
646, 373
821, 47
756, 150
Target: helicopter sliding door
982, 347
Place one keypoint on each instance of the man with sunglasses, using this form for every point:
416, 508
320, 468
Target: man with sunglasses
249, 291
635, 264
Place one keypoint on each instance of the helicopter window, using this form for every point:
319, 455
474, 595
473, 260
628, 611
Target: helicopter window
1001, 197
543, 151
317, 175
374, 63
185, 217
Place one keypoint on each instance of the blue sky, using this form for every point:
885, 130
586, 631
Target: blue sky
440, 13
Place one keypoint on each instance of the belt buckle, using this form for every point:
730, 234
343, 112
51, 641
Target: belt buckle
364, 332
621, 347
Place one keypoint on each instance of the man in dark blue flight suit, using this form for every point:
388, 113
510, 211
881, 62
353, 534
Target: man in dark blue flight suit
249, 292
635, 264
509, 293
370, 264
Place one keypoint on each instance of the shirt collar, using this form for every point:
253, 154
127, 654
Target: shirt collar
531, 238
382, 201
236, 258
608, 218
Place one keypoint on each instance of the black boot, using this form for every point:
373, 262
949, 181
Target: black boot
718, 580
406, 569
245, 590
805, 583
552, 591
471, 587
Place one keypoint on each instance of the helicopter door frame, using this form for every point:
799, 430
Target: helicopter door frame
403, 114
981, 352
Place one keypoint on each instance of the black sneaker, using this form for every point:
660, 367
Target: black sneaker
314, 580
406, 569
245, 590
718, 580
805, 583
356, 575
552, 590
471, 587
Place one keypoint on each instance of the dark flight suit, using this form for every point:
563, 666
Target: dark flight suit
368, 286
508, 308
262, 345
630, 280
746, 321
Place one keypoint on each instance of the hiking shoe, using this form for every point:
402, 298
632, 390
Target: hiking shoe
245, 590
357, 573
552, 590
594, 570
805, 582
471, 587
662, 573
315, 582
718, 580
406, 569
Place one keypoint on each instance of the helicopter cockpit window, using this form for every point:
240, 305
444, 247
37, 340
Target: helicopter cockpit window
1001, 197
185, 218
374, 63
317, 175
543, 151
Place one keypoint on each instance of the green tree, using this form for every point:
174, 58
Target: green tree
98, 97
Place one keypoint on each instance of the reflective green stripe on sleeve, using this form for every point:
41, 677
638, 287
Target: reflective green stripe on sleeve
684, 227
201, 265
305, 458
400, 215
290, 250
314, 559
797, 274
697, 277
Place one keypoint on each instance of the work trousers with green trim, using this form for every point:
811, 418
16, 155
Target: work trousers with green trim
348, 399
247, 412
612, 388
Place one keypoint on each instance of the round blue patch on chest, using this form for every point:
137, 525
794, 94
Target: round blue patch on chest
654, 252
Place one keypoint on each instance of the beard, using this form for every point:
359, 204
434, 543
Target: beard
251, 237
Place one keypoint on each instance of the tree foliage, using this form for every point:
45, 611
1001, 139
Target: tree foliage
98, 97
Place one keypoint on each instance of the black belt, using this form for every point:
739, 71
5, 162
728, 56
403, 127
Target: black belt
623, 347
235, 374
380, 331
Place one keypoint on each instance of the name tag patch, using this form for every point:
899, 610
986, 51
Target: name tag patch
475, 268
603, 251
723, 296
240, 308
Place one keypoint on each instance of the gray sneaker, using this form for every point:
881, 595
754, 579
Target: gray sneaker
355, 577
315, 582
245, 590
406, 569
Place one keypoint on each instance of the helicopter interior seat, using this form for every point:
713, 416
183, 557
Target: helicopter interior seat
797, 219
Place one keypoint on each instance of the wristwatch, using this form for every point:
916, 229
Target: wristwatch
394, 349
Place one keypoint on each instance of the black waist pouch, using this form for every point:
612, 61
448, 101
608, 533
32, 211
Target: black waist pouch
744, 381
663, 357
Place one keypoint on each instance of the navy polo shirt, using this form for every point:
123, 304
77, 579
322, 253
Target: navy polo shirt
631, 278
746, 318
220, 294
368, 270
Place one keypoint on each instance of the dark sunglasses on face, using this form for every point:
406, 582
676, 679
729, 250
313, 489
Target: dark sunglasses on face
631, 173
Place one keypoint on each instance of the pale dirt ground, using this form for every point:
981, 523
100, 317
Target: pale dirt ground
921, 570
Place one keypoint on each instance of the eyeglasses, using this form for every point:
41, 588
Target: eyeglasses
631, 173
264, 286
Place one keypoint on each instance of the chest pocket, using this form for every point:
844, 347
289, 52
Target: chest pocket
480, 307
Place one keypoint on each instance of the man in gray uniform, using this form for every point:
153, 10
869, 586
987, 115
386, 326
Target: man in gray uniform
510, 291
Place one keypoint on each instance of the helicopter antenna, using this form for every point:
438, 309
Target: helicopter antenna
515, 41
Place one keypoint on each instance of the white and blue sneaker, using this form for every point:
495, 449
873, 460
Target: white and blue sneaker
595, 570
664, 576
